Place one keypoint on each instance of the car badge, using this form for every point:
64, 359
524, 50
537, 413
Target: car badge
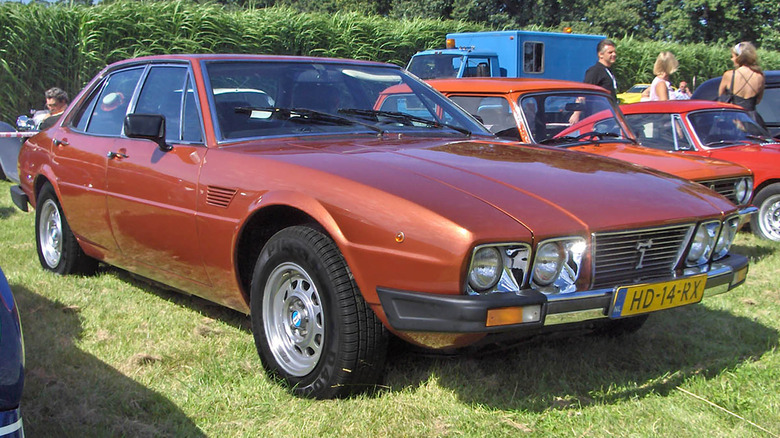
641, 247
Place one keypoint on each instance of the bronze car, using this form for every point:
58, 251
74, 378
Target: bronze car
295, 190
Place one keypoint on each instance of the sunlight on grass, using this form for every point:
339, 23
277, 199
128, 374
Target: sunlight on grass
110, 355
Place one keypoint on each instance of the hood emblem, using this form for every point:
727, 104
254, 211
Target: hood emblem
641, 247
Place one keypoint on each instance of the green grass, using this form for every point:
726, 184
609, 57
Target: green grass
111, 356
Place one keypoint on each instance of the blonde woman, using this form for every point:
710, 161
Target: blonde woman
743, 86
665, 65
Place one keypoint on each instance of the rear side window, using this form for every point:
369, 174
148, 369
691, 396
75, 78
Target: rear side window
104, 112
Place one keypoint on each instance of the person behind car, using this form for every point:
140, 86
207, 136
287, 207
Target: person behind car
744, 85
600, 73
56, 102
682, 92
661, 88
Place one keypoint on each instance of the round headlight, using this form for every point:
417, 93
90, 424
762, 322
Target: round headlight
743, 189
703, 243
726, 238
486, 268
548, 263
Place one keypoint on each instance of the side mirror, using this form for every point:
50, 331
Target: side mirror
149, 127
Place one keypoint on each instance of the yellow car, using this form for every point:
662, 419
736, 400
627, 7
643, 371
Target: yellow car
633, 94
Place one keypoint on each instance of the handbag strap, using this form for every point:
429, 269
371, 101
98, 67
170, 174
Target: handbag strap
733, 73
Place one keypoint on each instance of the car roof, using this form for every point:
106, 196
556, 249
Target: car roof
509, 85
194, 58
675, 106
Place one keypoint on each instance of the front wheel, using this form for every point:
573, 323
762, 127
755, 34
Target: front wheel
310, 323
58, 249
766, 222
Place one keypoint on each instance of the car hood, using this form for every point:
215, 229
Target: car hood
545, 189
690, 167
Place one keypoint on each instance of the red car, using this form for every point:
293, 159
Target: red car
297, 191
537, 111
713, 130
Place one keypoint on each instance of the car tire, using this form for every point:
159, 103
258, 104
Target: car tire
58, 249
766, 222
310, 323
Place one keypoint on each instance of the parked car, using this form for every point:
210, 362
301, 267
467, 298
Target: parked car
633, 94
536, 111
11, 364
333, 213
10, 143
716, 130
768, 108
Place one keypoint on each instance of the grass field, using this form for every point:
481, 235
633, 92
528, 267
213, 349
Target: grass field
111, 356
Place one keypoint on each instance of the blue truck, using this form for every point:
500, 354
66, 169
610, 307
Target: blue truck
509, 53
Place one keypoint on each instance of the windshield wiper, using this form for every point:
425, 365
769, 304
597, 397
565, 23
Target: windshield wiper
761, 138
305, 114
586, 137
721, 143
406, 119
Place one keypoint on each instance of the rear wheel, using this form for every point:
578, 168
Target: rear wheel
311, 325
58, 250
766, 222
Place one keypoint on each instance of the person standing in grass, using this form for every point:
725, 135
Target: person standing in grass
743, 86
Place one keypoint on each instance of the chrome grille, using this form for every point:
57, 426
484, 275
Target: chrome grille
638, 255
725, 187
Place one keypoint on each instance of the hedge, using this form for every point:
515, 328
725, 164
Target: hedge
44, 45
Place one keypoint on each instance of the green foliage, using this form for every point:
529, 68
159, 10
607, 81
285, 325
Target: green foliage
44, 45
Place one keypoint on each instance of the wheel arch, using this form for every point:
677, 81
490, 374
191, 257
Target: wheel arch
273, 213
764, 184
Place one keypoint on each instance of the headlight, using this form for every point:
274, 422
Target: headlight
486, 268
557, 265
726, 238
743, 189
500, 267
703, 243
548, 263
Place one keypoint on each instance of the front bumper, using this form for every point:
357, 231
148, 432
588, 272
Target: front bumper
415, 311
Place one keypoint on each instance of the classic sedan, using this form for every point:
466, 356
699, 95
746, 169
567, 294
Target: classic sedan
289, 189
713, 130
11, 364
540, 111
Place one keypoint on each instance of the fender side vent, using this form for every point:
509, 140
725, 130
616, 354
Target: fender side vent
219, 196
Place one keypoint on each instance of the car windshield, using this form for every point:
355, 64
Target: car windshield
725, 128
436, 65
279, 98
567, 118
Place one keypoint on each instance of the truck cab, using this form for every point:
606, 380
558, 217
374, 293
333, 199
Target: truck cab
511, 53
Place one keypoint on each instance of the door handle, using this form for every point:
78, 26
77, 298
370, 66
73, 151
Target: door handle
58, 142
112, 154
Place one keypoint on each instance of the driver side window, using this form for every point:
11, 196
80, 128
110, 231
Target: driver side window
107, 109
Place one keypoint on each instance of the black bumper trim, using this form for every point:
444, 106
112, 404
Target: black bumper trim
19, 198
412, 311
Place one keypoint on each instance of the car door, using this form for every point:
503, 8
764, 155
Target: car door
152, 192
79, 151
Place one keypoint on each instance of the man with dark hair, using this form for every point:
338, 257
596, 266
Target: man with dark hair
56, 102
600, 73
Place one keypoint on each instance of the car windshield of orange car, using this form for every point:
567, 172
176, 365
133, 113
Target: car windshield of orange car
726, 128
562, 119
274, 98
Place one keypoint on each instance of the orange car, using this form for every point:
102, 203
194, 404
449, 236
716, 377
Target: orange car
536, 111
296, 190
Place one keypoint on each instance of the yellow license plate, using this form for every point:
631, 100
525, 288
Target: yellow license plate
645, 298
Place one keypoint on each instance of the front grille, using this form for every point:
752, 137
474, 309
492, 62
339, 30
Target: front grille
631, 256
725, 187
